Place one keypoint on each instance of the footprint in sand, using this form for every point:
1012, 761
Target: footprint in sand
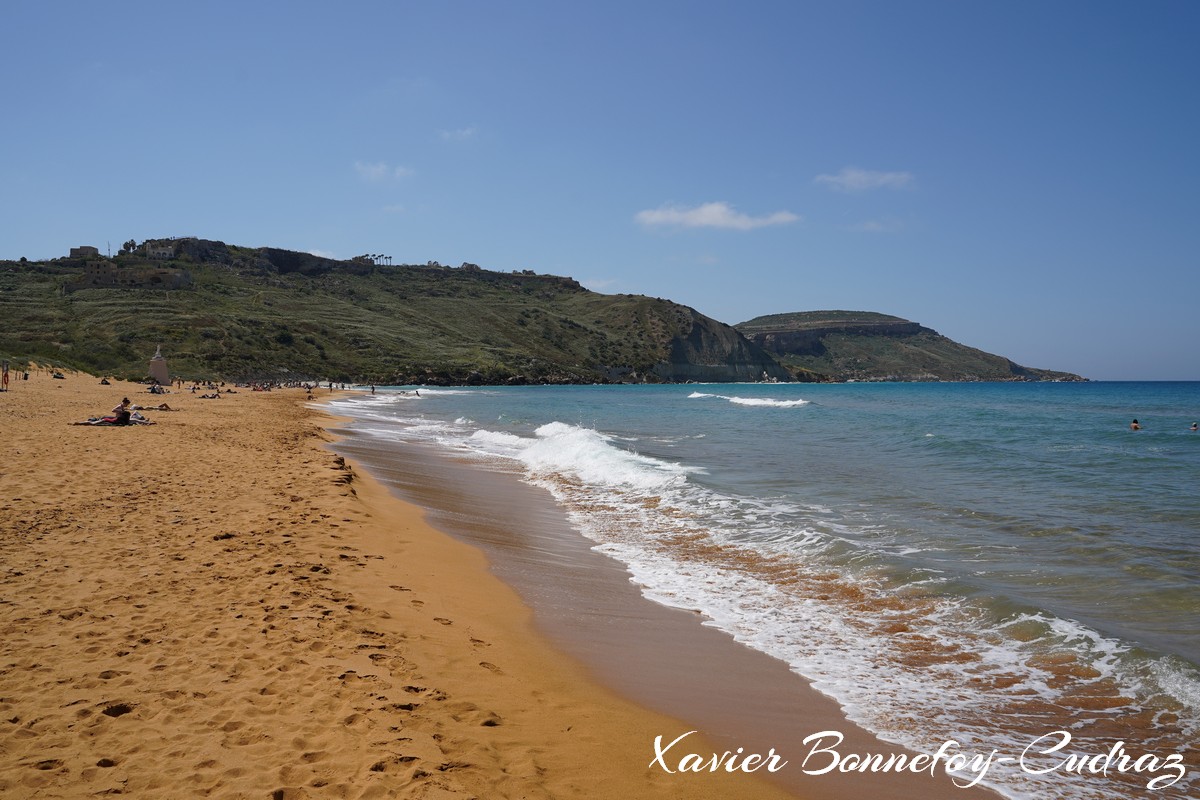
117, 709
392, 762
469, 713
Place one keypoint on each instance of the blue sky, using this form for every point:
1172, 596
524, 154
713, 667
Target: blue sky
1020, 176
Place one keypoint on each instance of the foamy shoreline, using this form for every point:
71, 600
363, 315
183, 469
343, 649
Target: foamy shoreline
661, 657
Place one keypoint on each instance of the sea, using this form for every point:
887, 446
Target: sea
988, 563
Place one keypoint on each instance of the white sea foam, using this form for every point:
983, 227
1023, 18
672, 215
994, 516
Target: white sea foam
833, 645
499, 443
752, 401
591, 457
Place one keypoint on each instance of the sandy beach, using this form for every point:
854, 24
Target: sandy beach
217, 606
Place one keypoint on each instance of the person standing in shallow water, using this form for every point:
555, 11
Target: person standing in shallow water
1135, 426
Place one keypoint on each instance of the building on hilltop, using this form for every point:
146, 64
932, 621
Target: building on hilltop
86, 251
158, 248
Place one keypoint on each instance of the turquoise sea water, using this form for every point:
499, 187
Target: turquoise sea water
983, 562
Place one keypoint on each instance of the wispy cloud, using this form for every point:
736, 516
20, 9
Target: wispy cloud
322, 253
380, 171
710, 215
853, 179
598, 284
459, 134
886, 225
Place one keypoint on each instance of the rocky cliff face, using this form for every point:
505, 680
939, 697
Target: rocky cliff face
714, 352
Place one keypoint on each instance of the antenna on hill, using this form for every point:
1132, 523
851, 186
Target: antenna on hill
109, 244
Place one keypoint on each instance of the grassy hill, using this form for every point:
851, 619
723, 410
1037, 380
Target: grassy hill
863, 345
230, 312
233, 312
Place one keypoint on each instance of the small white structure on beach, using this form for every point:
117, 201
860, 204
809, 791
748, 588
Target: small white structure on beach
158, 368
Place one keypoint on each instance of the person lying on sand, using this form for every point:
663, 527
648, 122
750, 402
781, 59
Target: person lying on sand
134, 419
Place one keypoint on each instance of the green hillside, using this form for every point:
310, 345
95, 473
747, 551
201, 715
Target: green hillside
245, 313
239, 313
863, 345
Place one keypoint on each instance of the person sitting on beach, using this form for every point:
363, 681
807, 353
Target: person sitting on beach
121, 413
1135, 426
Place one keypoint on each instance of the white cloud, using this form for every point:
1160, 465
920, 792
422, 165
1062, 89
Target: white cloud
710, 215
886, 225
322, 253
371, 172
853, 179
459, 135
380, 171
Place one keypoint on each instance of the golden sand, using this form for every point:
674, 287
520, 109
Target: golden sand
217, 606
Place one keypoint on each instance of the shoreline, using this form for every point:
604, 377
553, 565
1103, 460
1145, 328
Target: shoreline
586, 605
216, 606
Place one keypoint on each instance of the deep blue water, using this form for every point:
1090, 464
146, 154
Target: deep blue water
980, 561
